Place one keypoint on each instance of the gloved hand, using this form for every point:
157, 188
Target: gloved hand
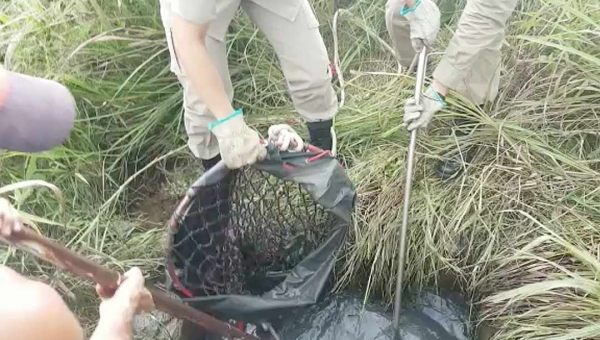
424, 21
285, 138
238, 143
419, 115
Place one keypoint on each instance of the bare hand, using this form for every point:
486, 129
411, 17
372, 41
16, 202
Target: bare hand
130, 298
9, 218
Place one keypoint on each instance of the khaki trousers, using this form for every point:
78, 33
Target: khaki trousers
293, 30
472, 61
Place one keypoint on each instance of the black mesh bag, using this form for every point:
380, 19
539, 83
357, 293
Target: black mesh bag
253, 243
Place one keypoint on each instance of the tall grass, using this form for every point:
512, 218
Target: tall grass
517, 231
535, 178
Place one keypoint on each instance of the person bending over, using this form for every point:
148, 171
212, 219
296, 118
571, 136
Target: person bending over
195, 32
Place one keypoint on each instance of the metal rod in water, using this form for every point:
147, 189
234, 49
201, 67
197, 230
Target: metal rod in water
420, 79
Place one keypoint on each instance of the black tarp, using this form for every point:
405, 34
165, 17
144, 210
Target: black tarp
298, 306
428, 316
322, 176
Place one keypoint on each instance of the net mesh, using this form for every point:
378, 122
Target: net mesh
244, 234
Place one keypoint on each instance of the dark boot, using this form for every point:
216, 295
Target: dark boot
209, 163
455, 162
322, 137
320, 134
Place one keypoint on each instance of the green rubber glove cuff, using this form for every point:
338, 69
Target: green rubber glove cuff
235, 113
405, 10
437, 97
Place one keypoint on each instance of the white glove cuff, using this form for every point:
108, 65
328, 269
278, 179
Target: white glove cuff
228, 126
218, 122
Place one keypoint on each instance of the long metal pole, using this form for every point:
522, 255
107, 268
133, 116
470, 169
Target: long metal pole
420, 79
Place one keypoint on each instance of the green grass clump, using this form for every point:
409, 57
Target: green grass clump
518, 231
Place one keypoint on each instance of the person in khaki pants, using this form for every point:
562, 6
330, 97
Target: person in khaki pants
196, 31
470, 65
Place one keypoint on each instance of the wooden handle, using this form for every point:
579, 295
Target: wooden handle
82, 267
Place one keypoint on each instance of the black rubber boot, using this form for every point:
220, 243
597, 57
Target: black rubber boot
452, 165
320, 134
321, 137
209, 163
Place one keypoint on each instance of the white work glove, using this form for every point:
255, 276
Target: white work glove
238, 143
419, 115
285, 138
424, 22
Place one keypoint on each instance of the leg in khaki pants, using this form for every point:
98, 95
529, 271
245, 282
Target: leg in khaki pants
292, 28
480, 83
399, 32
302, 54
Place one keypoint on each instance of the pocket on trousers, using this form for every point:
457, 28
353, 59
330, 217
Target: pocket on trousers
175, 65
310, 14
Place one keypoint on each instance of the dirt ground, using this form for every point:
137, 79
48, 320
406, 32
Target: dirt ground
156, 210
162, 197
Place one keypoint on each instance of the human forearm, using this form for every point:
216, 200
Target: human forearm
439, 87
118, 309
189, 41
112, 330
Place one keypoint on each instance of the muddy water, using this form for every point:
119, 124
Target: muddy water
427, 316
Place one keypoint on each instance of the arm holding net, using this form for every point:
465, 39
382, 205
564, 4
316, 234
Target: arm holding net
84, 268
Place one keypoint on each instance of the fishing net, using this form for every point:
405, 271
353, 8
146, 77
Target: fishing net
250, 243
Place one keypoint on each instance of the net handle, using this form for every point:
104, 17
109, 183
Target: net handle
86, 269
